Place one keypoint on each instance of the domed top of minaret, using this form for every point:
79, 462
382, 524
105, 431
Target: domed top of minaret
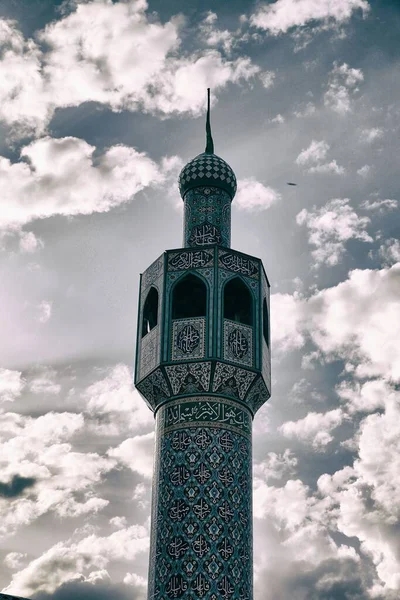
207, 169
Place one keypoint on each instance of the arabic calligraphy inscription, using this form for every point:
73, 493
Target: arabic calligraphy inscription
188, 338
238, 264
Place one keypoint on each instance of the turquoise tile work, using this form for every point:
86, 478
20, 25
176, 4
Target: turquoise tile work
202, 533
203, 367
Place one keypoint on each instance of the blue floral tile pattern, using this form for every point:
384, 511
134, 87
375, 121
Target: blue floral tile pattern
207, 217
202, 534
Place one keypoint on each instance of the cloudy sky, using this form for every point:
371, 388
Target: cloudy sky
101, 103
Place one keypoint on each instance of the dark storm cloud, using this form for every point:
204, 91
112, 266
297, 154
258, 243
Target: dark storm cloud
88, 591
16, 486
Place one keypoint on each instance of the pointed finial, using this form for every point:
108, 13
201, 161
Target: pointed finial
210, 143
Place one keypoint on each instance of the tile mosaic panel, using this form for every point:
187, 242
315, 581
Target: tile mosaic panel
188, 339
238, 263
207, 410
238, 343
189, 378
154, 388
153, 273
150, 352
257, 396
232, 381
190, 259
150, 348
207, 217
202, 515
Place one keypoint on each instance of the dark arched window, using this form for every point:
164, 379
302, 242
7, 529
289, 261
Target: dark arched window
150, 311
189, 298
238, 305
265, 322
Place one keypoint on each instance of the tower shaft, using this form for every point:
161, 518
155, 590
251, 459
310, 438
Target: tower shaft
207, 217
201, 541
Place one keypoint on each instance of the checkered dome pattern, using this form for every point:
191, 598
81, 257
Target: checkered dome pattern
207, 169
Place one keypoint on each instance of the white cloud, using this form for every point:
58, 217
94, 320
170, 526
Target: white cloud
11, 385
253, 196
277, 119
68, 561
14, 239
45, 310
293, 533
364, 397
280, 16
342, 85
61, 178
302, 390
24, 100
267, 78
315, 153
135, 580
291, 529
115, 406
28, 242
15, 560
288, 504
331, 167
370, 135
44, 381
366, 495
330, 227
136, 453
96, 577
364, 171
142, 494
276, 466
288, 331
390, 251
358, 320
39, 448
380, 205
355, 321
217, 37
305, 111
113, 54
118, 522
315, 428
313, 157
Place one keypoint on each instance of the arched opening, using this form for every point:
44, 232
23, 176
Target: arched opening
238, 305
189, 298
150, 311
265, 322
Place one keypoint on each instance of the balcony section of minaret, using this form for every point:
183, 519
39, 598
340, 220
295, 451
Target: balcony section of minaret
204, 328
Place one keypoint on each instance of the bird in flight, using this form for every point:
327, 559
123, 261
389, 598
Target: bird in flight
291, 183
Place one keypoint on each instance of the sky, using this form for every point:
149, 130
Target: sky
101, 104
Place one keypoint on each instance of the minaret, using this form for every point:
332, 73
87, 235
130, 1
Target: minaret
203, 367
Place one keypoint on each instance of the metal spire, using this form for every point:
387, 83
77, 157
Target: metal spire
210, 143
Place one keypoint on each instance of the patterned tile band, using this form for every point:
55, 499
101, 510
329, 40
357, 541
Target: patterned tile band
207, 169
205, 411
201, 543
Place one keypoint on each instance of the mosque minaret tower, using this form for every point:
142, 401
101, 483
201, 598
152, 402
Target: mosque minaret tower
203, 367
